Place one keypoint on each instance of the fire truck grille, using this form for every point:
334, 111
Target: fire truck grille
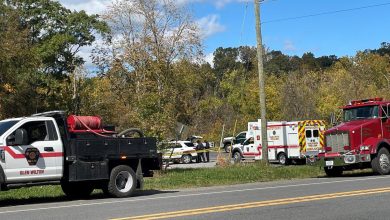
337, 141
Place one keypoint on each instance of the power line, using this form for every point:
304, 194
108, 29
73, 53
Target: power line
326, 13
266, 1
243, 22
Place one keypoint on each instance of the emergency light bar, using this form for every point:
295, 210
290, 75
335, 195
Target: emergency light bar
357, 102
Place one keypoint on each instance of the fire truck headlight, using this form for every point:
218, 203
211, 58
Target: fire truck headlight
349, 159
364, 148
321, 151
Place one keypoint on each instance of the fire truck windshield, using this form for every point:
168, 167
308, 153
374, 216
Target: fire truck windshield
358, 113
5, 125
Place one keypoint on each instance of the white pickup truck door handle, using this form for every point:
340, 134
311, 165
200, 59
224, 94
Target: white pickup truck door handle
48, 149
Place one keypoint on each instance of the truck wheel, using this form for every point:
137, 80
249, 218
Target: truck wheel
77, 189
227, 147
282, 158
186, 159
122, 182
334, 171
237, 157
381, 163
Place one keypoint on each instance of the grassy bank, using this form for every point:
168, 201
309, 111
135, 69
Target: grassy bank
179, 178
246, 173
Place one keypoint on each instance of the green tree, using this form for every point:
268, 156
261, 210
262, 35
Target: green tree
277, 63
148, 38
41, 41
58, 33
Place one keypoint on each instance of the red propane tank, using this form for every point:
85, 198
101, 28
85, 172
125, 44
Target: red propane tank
84, 123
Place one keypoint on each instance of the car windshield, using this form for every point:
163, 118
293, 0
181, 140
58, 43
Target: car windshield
361, 113
5, 125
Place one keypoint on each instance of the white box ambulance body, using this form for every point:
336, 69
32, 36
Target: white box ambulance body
287, 141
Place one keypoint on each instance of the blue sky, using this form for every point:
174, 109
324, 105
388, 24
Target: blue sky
231, 23
340, 33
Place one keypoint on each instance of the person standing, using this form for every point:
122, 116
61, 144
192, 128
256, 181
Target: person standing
207, 147
197, 152
200, 151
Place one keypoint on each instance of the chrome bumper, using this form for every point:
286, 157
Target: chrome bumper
342, 160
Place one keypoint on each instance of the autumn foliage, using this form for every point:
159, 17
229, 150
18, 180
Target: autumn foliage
149, 72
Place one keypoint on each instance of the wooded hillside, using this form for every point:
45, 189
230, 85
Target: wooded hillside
150, 72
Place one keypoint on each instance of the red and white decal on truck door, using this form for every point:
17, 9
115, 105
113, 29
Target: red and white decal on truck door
22, 156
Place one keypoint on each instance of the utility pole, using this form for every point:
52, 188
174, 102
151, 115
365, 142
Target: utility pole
264, 141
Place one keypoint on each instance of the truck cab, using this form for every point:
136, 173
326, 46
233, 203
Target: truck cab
361, 140
246, 150
39, 156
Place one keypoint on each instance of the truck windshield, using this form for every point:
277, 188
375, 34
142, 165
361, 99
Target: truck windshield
5, 125
361, 113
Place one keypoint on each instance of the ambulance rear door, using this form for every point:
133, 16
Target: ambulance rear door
312, 134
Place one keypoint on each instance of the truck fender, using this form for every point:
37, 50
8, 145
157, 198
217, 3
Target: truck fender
235, 150
378, 144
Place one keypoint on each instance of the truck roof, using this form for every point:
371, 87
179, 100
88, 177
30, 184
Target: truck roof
365, 102
21, 118
50, 113
43, 115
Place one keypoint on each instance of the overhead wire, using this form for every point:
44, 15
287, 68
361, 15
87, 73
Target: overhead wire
325, 13
240, 42
243, 22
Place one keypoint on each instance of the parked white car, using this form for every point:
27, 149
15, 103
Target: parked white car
179, 151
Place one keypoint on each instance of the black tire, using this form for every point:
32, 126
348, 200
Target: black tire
122, 182
237, 157
186, 159
76, 190
282, 158
381, 162
227, 147
334, 171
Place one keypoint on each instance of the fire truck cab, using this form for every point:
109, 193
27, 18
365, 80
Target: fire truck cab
361, 141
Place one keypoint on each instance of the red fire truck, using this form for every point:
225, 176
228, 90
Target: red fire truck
361, 141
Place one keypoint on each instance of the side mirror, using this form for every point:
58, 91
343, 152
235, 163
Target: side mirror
332, 118
10, 140
21, 137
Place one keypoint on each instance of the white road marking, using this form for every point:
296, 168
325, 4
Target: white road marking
190, 195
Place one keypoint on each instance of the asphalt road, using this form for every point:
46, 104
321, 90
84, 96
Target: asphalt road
350, 197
